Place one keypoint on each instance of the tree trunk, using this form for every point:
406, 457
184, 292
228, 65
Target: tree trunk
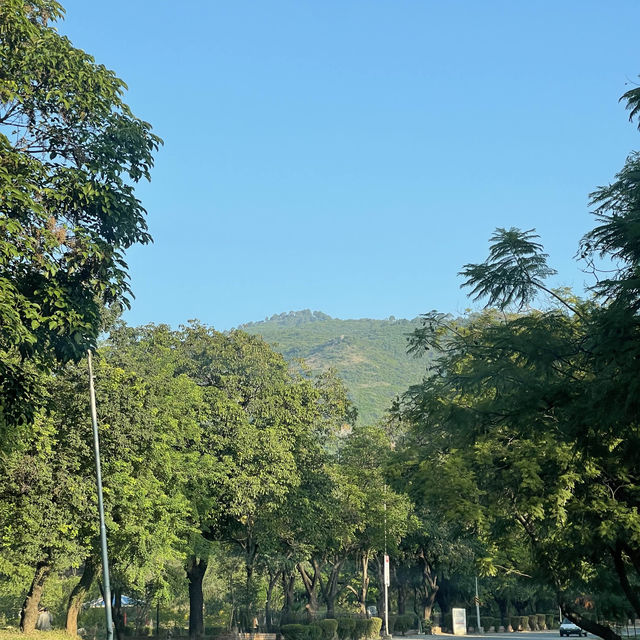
502, 603
429, 588
443, 598
604, 632
196, 568
310, 582
621, 570
251, 553
273, 579
380, 602
116, 613
401, 593
29, 612
78, 594
364, 591
401, 589
288, 582
331, 589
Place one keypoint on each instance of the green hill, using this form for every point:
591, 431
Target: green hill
369, 355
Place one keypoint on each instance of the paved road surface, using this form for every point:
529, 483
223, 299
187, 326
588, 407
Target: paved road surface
517, 635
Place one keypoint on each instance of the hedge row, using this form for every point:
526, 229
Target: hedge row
403, 622
344, 628
532, 622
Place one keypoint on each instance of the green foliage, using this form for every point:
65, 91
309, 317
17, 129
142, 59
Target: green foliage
70, 154
346, 628
402, 623
515, 622
314, 631
487, 622
295, 632
549, 621
329, 628
515, 269
369, 355
361, 628
373, 628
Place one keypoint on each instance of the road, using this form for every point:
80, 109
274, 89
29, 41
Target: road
517, 635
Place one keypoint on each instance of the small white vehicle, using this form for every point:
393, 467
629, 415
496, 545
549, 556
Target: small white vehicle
567, 628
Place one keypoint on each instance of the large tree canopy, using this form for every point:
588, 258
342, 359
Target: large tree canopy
533, 417
71, 152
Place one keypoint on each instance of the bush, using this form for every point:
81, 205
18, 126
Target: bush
361, 628
329, 628
487, 621
294, 631
404, 622
314, 631
374, 626
346, 627
515, 622
548, 620
540, 621
524, 622
392, 624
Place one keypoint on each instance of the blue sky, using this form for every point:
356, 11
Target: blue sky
350, 156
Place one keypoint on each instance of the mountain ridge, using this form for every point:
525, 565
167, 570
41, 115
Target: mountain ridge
369, 354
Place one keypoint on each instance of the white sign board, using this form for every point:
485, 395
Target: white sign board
459, 621
387, 580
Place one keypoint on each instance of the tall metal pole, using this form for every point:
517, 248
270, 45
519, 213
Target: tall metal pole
103, 529
386, 572
477, 599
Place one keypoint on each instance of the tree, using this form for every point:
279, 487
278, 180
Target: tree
47, 488
71, 152
384, 514
539, 409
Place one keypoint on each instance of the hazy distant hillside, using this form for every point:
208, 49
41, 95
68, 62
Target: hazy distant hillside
369, 355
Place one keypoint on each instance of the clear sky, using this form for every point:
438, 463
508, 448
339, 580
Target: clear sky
350, 156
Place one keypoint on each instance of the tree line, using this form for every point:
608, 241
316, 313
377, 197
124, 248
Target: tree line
514, 459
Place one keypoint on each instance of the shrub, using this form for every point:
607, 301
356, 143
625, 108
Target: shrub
374, 626
487, 622
294, 631
392, 623
548, 620
314, 631
329, 628
524, 622
540, 621
404, 622
515, 622
361, 628
346, 627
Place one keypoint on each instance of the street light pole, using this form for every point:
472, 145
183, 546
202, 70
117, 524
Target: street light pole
386, 571
103, 529
477, 599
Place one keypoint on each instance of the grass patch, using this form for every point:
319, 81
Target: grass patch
14, 634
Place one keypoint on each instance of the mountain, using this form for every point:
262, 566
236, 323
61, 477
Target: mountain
369, 355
